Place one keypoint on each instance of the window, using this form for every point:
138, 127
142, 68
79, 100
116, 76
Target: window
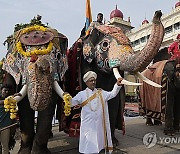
143, 39
148, 37
177, 26
137, 42
168, 30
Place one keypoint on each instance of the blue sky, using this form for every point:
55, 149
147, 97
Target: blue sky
68, 16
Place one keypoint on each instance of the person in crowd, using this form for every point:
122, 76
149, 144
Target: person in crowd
5, 120
95, 23
174, 49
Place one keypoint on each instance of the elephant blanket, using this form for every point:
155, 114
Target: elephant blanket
152, 103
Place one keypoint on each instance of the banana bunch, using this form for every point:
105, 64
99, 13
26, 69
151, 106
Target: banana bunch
67, 106
10, 105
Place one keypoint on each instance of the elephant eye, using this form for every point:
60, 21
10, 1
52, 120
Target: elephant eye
105, 45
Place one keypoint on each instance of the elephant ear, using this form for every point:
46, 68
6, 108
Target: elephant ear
13, 64
169, 69
89, 45
62, 59
58, 58
88, 51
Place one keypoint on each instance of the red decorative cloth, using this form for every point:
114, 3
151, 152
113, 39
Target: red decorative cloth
74, 130
174, 50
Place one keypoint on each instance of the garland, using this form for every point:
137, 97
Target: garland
32, 28
10, 105
67, 105
35, 51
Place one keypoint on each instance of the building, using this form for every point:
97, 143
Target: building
171, 22
139, 36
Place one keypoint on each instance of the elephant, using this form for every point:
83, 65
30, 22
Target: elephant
108, 52
35, 64
162, 104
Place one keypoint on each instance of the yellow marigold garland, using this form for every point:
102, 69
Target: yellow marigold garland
67, 106
35, 51
35, 27
10, 105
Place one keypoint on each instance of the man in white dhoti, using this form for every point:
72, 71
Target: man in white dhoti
95, 133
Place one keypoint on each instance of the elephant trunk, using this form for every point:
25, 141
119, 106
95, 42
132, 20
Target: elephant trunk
137, 61
146, 55
40, 84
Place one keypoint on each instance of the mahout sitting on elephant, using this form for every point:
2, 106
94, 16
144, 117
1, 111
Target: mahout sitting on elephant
37, 61
108, 52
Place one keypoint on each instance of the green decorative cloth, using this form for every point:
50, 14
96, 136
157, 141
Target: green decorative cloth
4, 118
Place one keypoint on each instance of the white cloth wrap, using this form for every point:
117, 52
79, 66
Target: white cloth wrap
89, 75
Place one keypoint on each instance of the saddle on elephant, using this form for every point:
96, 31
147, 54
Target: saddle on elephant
151, 103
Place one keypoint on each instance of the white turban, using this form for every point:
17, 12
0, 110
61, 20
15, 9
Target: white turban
89, 75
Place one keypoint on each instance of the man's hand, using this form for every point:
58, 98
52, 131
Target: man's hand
119, 81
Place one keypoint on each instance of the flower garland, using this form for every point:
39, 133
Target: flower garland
67, 105
10, 105
35, 51
35, 27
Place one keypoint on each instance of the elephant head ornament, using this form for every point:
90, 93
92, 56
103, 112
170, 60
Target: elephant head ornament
37, 55
110, 48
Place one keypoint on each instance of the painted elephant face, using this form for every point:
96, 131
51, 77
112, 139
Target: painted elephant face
110, 48
32, 43
101, 46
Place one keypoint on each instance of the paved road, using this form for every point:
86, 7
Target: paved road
131, 143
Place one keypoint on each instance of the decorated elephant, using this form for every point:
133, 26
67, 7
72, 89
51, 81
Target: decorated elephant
162, 105
37, 62
107, 51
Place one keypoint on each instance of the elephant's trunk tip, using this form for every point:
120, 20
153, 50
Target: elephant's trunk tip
157, 16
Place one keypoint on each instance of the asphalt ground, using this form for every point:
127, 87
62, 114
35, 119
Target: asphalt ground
155, 142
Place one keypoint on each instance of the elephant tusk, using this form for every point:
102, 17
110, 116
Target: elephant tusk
23, 93
142, 77
58, 89
125, 82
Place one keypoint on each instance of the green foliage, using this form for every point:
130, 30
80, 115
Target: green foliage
34, 21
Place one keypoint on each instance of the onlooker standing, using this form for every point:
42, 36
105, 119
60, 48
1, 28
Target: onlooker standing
5, 120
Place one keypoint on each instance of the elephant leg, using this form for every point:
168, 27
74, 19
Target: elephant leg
43, 130
176, 123
169, 116
149, 121
157, 122
26, 117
